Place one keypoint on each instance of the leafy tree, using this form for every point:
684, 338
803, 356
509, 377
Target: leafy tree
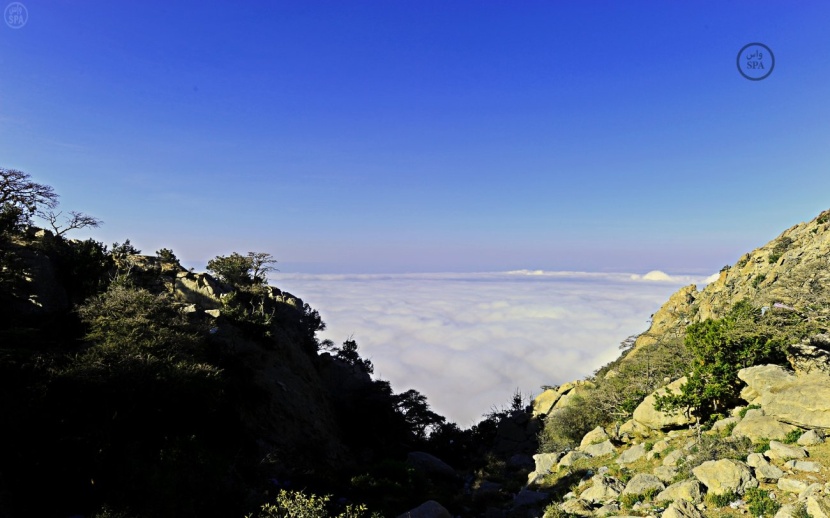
415, 409
20, 195
348, 353
721, 348
243, 270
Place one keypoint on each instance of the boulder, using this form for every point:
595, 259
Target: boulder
604, 489
632, 454
763, 469
665, 473
429, 509
724, 476
791, 485
571, 457
759, 427
803, 465
576, 507
723, 424
546, 461
688, 490
781, 451
543, 403
595, 436
600, 450
609, 509
786, 511
641, 483
201, 289
657, 420
811, 355
802, 400
528, 497
818, 506
673, 457
682, 509
429, 465
810, 438
634, 428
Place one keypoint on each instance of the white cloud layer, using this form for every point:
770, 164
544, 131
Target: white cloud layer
467, 341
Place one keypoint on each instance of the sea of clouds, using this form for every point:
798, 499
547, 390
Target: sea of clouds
468, 341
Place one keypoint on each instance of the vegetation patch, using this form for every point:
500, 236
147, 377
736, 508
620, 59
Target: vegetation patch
760, 503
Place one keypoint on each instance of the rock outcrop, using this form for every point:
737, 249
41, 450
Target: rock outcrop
801, 400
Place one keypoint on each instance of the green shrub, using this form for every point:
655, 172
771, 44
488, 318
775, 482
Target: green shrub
761, 446
800, 511
729, 428
758, 279
565, 428
714, 448
760, 503
296, 504
721, 500
721, 348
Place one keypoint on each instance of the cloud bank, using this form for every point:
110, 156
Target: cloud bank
468, 341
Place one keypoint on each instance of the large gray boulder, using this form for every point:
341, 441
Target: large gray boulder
595, 436
632, 454
811, 355
759, 427
802, 400
604, 489
781, 451
657, 420
576, 507
641, 483
429, 465
571, 457
810, 438
546, 461
429, 509
600, 450
724, 476
688, 490
763, 469
682, 509
818, 506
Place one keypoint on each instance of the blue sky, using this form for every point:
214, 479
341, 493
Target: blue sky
425, 136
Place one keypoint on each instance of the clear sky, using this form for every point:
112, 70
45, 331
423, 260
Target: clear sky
425, 136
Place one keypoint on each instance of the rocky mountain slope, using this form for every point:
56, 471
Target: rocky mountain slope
765, 455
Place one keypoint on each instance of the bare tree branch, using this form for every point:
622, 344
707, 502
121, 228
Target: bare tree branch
74, 220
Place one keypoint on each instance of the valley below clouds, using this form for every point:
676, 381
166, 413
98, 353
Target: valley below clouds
469, 340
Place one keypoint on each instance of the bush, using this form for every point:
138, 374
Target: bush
721, 500
721, 348
565, 428
714, 448
760, 503
296, 504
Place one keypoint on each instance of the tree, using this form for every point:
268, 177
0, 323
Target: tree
242, 270
721, 348
18, 190
415, 409
74, 220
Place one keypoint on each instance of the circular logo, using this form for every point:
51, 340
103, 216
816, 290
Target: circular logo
16, 15
755, 61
